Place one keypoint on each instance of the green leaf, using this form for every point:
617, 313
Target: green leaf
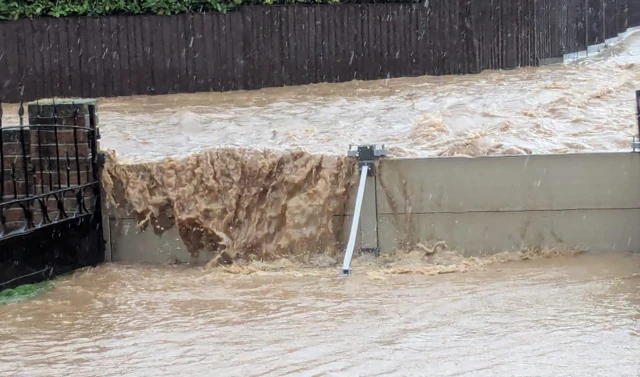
16, 9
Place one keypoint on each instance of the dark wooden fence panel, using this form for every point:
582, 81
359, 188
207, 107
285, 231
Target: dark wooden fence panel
623, 16
595, 20
575, 38
610, 18
261, 46
634, 12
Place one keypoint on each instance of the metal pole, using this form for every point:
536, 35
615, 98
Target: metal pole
346, 265
638, 109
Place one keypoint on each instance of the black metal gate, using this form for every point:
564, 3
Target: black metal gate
50, 212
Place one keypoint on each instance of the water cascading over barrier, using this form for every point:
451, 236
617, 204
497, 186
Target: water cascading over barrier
476, 206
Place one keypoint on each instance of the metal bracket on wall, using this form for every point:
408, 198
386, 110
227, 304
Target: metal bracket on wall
366, 155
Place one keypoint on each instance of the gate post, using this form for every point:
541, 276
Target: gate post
62, 156
17, 182
56, 160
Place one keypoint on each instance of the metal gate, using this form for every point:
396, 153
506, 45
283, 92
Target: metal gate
50, 212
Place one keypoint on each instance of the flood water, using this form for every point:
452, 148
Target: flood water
565, 316
584, 106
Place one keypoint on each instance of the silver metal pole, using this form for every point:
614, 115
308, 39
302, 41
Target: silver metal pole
346, 265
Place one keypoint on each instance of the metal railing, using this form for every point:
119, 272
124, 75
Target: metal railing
49, 173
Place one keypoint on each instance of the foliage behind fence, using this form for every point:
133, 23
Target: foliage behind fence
266, 46
16, 9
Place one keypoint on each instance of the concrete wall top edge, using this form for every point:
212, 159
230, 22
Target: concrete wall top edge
509, 183
503, 156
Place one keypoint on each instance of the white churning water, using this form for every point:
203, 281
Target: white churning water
583, 106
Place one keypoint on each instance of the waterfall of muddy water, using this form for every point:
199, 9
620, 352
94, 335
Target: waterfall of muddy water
240, 204
564, 316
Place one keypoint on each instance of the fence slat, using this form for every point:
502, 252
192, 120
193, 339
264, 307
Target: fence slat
128, 41
190, 53
22, 56
634, 12
236, 60
322, 43
292, 60
264, 38
116, 55
622, 16
137, 59
104, 57
74, 51
595, 18
198, 55
95, 45
249, 21
223, 51
610, 18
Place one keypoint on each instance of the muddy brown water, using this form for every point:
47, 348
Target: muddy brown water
558, 316
583, 106
564, 316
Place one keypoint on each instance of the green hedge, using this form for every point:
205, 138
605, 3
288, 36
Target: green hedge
15, 9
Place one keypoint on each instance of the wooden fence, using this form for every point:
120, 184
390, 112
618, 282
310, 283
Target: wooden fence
634, 12
262, 46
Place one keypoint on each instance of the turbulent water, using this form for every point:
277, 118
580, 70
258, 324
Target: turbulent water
240, 204
582, 106
565, 316
257, 177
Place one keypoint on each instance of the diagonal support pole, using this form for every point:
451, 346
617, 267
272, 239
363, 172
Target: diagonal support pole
635, 143
638, 109
366, 155
346, 265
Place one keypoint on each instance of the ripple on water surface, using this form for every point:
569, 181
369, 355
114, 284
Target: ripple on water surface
551, 317
582, 106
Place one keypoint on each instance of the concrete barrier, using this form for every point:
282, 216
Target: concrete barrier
477, 205
130, 245
493, 204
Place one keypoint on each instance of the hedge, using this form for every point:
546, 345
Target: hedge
15, 9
